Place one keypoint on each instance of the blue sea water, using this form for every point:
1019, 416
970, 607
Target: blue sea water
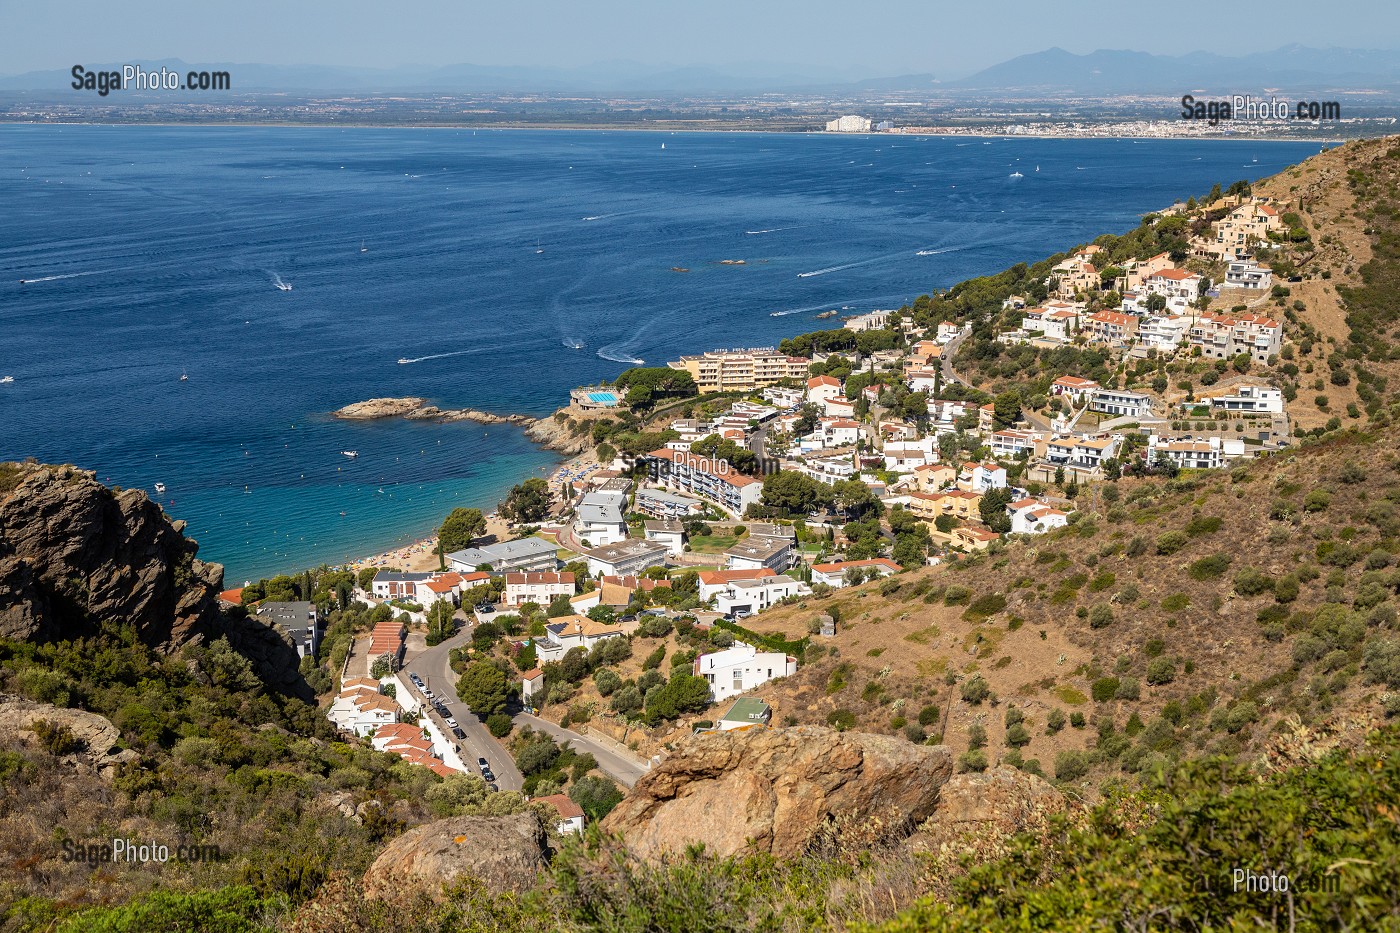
488, 255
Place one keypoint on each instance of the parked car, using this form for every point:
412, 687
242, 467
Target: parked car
492, 787
485, 608
488, 777
451, 723
483, 764
457, 731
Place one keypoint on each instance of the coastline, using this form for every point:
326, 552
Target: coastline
421, 555
586, 127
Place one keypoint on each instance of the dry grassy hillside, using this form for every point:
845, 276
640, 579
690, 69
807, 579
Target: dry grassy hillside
1200, 613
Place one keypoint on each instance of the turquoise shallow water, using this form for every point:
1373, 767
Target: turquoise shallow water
508, 266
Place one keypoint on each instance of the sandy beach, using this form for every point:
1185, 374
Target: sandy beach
421, 556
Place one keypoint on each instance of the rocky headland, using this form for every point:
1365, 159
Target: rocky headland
549, 433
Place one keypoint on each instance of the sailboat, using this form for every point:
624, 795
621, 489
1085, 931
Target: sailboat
184, 376
363, 247
538, 250
663, 145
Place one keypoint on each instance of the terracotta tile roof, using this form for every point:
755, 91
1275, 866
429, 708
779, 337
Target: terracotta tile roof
823, 381
717, 577
562, 803
841, 565
531, 674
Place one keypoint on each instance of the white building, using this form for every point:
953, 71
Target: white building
834, 574
849, 124
749, 597
979, 477
360, 708
821, 389
523, 554
1163, 332
297, 623
714, 582
626, 557
1121, 403
661, 504
571, 817
1253, 398
670, 533
538, 588
568, 632
1188, 455
741, 668
1032, 517
601, 518
756, 552
1243, 273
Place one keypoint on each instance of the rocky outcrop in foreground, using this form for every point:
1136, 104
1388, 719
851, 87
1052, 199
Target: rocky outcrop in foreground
771, 790
981, 809
94, 737
505, 852
418, 409
75, 554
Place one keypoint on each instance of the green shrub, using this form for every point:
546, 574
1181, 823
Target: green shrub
1104, 689
974, 760
1176, 602
841, 719
1101, 616
1161, 671
929, 715
1102, 582
1055, 721
1071, 765
1208, 568
500, 724
1203, 525
1170, 542
1251, 582
1128, 689
975, 689
1317, 501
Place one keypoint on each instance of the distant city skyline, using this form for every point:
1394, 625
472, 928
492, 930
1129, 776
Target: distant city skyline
811, 39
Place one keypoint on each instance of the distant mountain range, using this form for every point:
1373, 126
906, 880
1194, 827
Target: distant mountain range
1111, 72
1101, 73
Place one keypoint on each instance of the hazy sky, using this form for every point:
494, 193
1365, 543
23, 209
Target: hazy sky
836, 37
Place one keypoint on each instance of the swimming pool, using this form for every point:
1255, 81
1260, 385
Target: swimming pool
602, 398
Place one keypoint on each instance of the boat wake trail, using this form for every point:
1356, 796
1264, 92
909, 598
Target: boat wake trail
573, 343
939, 252
787, 311
775, 229
436, 356
55, 278
615, 214
618, 356
849, 265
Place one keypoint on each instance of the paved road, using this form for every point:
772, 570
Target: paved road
622, 769
432, 665
949, 351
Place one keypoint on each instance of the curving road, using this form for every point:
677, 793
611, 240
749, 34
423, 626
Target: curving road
624, 770
434, 667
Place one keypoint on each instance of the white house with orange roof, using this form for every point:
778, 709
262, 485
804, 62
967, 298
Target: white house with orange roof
821, 389
1136, 272
833, 573
1074, 388
839, 408
539, 587
571, 818
567, 632
1111, 327
1033, 517
360, 708
1223, 336
442, 587
979, 477
713, 582
1178, 286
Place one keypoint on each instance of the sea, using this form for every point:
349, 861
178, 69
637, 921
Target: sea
490, 269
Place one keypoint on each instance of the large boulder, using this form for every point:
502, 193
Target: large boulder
977, 813
75, 554
95, 737
505, 852
771, 790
